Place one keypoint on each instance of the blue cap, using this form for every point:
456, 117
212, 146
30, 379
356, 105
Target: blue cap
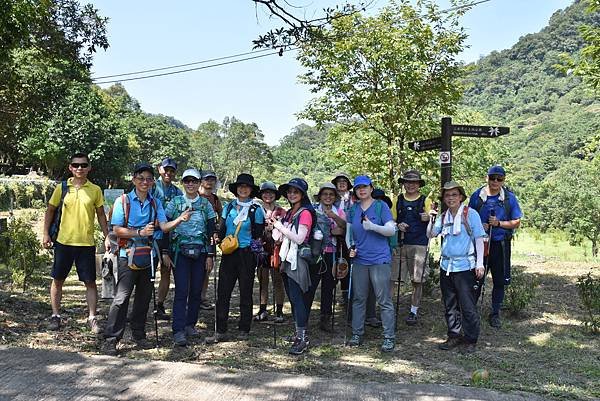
496, 170
168, 162
362, 180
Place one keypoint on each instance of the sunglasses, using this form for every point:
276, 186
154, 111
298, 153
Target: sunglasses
147, 179
190, 181
497, 178
82, 165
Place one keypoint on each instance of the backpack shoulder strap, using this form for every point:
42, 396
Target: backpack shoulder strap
421, 204
64, 190
126, 207
465, 219
479, 203
507, 194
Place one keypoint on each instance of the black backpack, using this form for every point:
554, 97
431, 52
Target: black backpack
401, 206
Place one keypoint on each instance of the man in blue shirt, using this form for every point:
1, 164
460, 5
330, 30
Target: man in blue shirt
164, 190
500, 211
134, 218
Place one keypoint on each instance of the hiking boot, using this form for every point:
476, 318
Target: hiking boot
109, 347
373, 322
161, 314
299, 346
494, 321
325, 323
450, 343
355, 341
261, 316
191, 331
467, 348
291, 338
411, 319
279, 318
54, 323
206, 305
94, 326
217, 338
243, 335
388, 345
179, 339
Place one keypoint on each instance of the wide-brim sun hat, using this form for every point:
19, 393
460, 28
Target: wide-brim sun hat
379, 193
453, 185
411, 176
342, 175
297, 183
327, 185
247, 179
269, 186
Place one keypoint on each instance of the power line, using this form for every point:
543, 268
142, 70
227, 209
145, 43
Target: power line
196, 68
182, 65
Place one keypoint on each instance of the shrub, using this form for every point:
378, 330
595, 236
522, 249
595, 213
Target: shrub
25, 256
589, 292
433, 280
521, 291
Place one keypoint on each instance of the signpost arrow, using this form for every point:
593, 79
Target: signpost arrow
480, 131
426, 144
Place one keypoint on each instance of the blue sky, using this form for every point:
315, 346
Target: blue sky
152, 34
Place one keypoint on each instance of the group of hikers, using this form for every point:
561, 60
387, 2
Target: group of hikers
349, 232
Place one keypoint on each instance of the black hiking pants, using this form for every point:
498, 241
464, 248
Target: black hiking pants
459, 297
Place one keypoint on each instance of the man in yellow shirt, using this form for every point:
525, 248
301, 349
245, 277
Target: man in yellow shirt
75, 241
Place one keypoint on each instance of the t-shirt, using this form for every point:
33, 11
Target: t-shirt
195, 230
494, 202
78, 212
139, 215
164, 193
371, 248
458, 251
245, 233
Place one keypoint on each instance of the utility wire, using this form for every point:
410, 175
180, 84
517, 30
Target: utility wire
196, 68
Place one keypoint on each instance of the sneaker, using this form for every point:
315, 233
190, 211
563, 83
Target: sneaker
261, 316
161, 314
450, 343
243, 336
54, 323
299, 346
94, 326
279, 319
109, 347
494, 321
206, 305
411, 319
191, 331
468, 348
355, 341
217, 338
179, 339
373, 322
388, 345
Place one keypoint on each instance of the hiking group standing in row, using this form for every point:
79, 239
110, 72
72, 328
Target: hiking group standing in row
158, 226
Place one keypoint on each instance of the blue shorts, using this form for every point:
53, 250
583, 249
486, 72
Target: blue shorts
84, 258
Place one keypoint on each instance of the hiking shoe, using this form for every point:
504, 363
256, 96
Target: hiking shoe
411, 319
325, 323
355, 341
467, 348
291, 338
388, 345
261, 316
450, 343
494, 321
206, 305
179, 339
109, 347
299, 346
54, 323
279, 319
161, 314
94, 326
373, 322
243, 335
191, 331
217, 338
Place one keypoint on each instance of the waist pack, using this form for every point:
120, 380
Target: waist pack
192, 251
230, 243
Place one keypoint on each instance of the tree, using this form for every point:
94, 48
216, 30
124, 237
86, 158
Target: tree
391, 75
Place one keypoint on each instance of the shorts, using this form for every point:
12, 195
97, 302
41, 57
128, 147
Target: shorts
412, 258
84, 258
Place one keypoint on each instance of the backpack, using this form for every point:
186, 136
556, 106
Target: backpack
180, 207
324, 225
392, 241
55, 225
401, 208
123, 242
505, 203
312, 251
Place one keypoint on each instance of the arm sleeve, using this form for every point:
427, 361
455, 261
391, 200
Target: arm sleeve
386, 230
298, 238
434, 228
479, 251
211, 225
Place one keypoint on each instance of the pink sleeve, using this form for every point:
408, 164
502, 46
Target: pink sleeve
342, 214
305, 219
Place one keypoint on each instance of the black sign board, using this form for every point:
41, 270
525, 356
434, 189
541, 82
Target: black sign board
481, 131
426, 144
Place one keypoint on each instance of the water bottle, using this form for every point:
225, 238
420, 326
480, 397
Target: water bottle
316, 243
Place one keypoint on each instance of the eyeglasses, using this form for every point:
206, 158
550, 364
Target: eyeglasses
497, 178
82, 165
190, 181
146, 179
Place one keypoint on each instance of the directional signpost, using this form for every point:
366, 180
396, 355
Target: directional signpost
444, 143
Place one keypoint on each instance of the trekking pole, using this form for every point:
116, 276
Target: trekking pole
399, 280
349, 298
153, 280
274, 308
212, 252
487, 262
335, 283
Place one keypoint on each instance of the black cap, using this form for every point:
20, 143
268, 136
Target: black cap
143, 166
168, 162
